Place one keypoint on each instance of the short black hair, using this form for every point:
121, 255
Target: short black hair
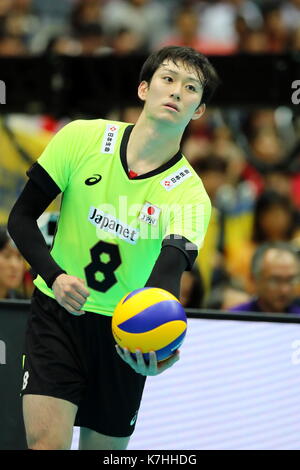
210, 163
205, 70
267, 200
257, 258
4, 237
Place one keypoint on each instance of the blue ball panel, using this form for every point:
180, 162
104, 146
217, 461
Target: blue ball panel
165, 352
134, 292
154, 316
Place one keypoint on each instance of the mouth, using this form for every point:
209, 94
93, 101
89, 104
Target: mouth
171, 106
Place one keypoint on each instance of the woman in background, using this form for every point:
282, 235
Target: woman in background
274, 219
12, 269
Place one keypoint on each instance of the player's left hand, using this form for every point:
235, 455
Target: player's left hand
141, 367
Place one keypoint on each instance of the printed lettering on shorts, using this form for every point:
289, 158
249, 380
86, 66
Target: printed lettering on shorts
176, 178
25, 379
110, 138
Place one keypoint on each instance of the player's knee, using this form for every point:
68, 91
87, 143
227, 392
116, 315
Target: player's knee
47, 441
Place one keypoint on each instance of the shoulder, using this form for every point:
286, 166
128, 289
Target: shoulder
83, 131
193, 189
91, 125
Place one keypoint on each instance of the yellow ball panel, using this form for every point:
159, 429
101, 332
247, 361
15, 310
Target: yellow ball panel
140, 302
151, 340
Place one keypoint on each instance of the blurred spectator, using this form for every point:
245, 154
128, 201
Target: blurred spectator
130, 113
191, 290
249, 12
148, 19
212, 171
290, 13
92, 40
5, 6
275, 270
254, 42
226, 295
274, 219
12, 46
295, 40
126, 41
63, 45
266, 146
186, 33
22, 22
53, 11
54, 19
12, 268
86, 12
276, 31
218, 20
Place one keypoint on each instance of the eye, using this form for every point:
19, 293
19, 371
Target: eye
191, 88
168, 79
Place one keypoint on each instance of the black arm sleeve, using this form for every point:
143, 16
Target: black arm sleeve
168, 269
24, 230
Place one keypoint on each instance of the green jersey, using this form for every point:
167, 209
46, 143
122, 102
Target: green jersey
111, 227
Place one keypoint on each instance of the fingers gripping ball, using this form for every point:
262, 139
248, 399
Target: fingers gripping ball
149, 319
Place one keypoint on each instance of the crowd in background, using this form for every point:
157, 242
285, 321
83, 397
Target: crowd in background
80, 27
248, 159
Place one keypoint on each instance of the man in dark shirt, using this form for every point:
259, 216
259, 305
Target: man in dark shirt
275, 271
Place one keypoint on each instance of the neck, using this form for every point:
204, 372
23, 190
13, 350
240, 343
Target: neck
151, 145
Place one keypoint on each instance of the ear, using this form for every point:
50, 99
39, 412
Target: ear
143, 90
199, 112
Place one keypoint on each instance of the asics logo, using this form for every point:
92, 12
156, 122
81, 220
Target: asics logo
134, 419
93, 180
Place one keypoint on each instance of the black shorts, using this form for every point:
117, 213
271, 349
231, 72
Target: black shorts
74, 358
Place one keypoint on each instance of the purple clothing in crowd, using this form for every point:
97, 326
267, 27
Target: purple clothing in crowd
253, 306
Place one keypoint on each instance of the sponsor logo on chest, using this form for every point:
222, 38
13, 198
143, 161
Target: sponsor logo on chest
109, 223
175, 179
110, 138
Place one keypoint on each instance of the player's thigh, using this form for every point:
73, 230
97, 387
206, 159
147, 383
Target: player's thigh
48, 422
92, 440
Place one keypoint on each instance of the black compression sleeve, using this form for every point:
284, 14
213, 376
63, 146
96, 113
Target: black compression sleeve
168, 269
24, 230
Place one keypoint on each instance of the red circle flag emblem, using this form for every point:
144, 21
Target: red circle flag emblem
150, 210
167, 183
113, 128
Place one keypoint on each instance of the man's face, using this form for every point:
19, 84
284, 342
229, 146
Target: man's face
276, 284
173, 95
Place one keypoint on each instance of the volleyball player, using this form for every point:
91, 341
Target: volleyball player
134, 213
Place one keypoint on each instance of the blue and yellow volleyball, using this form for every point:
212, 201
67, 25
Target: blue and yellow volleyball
149, 319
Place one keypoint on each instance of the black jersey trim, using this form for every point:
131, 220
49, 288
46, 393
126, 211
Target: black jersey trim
43, 180
123, 156
189, 249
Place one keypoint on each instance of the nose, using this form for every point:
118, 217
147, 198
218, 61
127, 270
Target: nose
175, 95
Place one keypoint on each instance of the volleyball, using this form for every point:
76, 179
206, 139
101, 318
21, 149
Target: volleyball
149, 319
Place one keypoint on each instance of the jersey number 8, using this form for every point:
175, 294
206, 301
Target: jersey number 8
105, 268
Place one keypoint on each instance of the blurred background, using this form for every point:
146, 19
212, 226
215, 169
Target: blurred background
63, 60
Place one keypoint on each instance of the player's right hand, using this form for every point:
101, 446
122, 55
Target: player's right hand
71, 293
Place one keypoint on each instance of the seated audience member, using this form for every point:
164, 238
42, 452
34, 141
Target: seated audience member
274, 219
12, 268
275, 270
226, 295
191, 289
213, 172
